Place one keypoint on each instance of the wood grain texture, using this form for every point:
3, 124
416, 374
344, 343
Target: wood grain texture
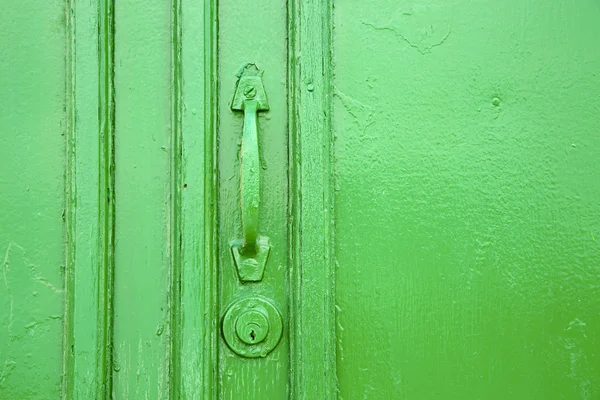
90, 203
253, 32
189, 284
174, 219
312, 280
195, 339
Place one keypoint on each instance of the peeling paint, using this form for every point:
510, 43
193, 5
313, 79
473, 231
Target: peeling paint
363, 114
423, 27
464, 227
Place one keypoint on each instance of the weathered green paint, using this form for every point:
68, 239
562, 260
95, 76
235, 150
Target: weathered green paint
143, 244
32, 203
197, 334
250, 254
311, 183
90, 205
240, 377
250, 97
252, 327
466, 206
428, 183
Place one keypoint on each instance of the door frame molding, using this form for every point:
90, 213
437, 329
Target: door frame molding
312, 303
89, 212
193, 302
194, 305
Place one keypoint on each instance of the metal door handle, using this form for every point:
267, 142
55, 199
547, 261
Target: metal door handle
250, 254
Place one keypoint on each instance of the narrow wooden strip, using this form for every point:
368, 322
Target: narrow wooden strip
69, 358
312, 272
210, 323
211, 336
174, 224
198, 332
89, 215
107, 191
294, 199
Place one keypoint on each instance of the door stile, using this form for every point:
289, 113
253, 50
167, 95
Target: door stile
194, 315
311, 200
90, 203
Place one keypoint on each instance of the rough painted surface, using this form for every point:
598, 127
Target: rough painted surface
89, 206
32, 164
467, 214
312, 316
466, 199
196, 333
261, 40
142, 80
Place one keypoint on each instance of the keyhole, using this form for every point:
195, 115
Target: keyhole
252, 335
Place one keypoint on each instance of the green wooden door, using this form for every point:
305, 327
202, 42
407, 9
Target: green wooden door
418, 179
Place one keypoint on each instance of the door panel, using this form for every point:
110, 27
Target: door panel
466, 199
143, 245
32, 229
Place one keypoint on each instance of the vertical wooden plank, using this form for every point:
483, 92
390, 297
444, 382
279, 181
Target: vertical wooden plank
107, 187
142, 209
253, 32
195, 328
174, 225
313, 315
89, 215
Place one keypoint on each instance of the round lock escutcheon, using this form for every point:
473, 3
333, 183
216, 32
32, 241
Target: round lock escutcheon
252, 327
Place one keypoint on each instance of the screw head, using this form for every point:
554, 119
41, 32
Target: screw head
250, 92
248, 266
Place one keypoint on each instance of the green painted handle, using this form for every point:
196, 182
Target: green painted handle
251, 98
250, 176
